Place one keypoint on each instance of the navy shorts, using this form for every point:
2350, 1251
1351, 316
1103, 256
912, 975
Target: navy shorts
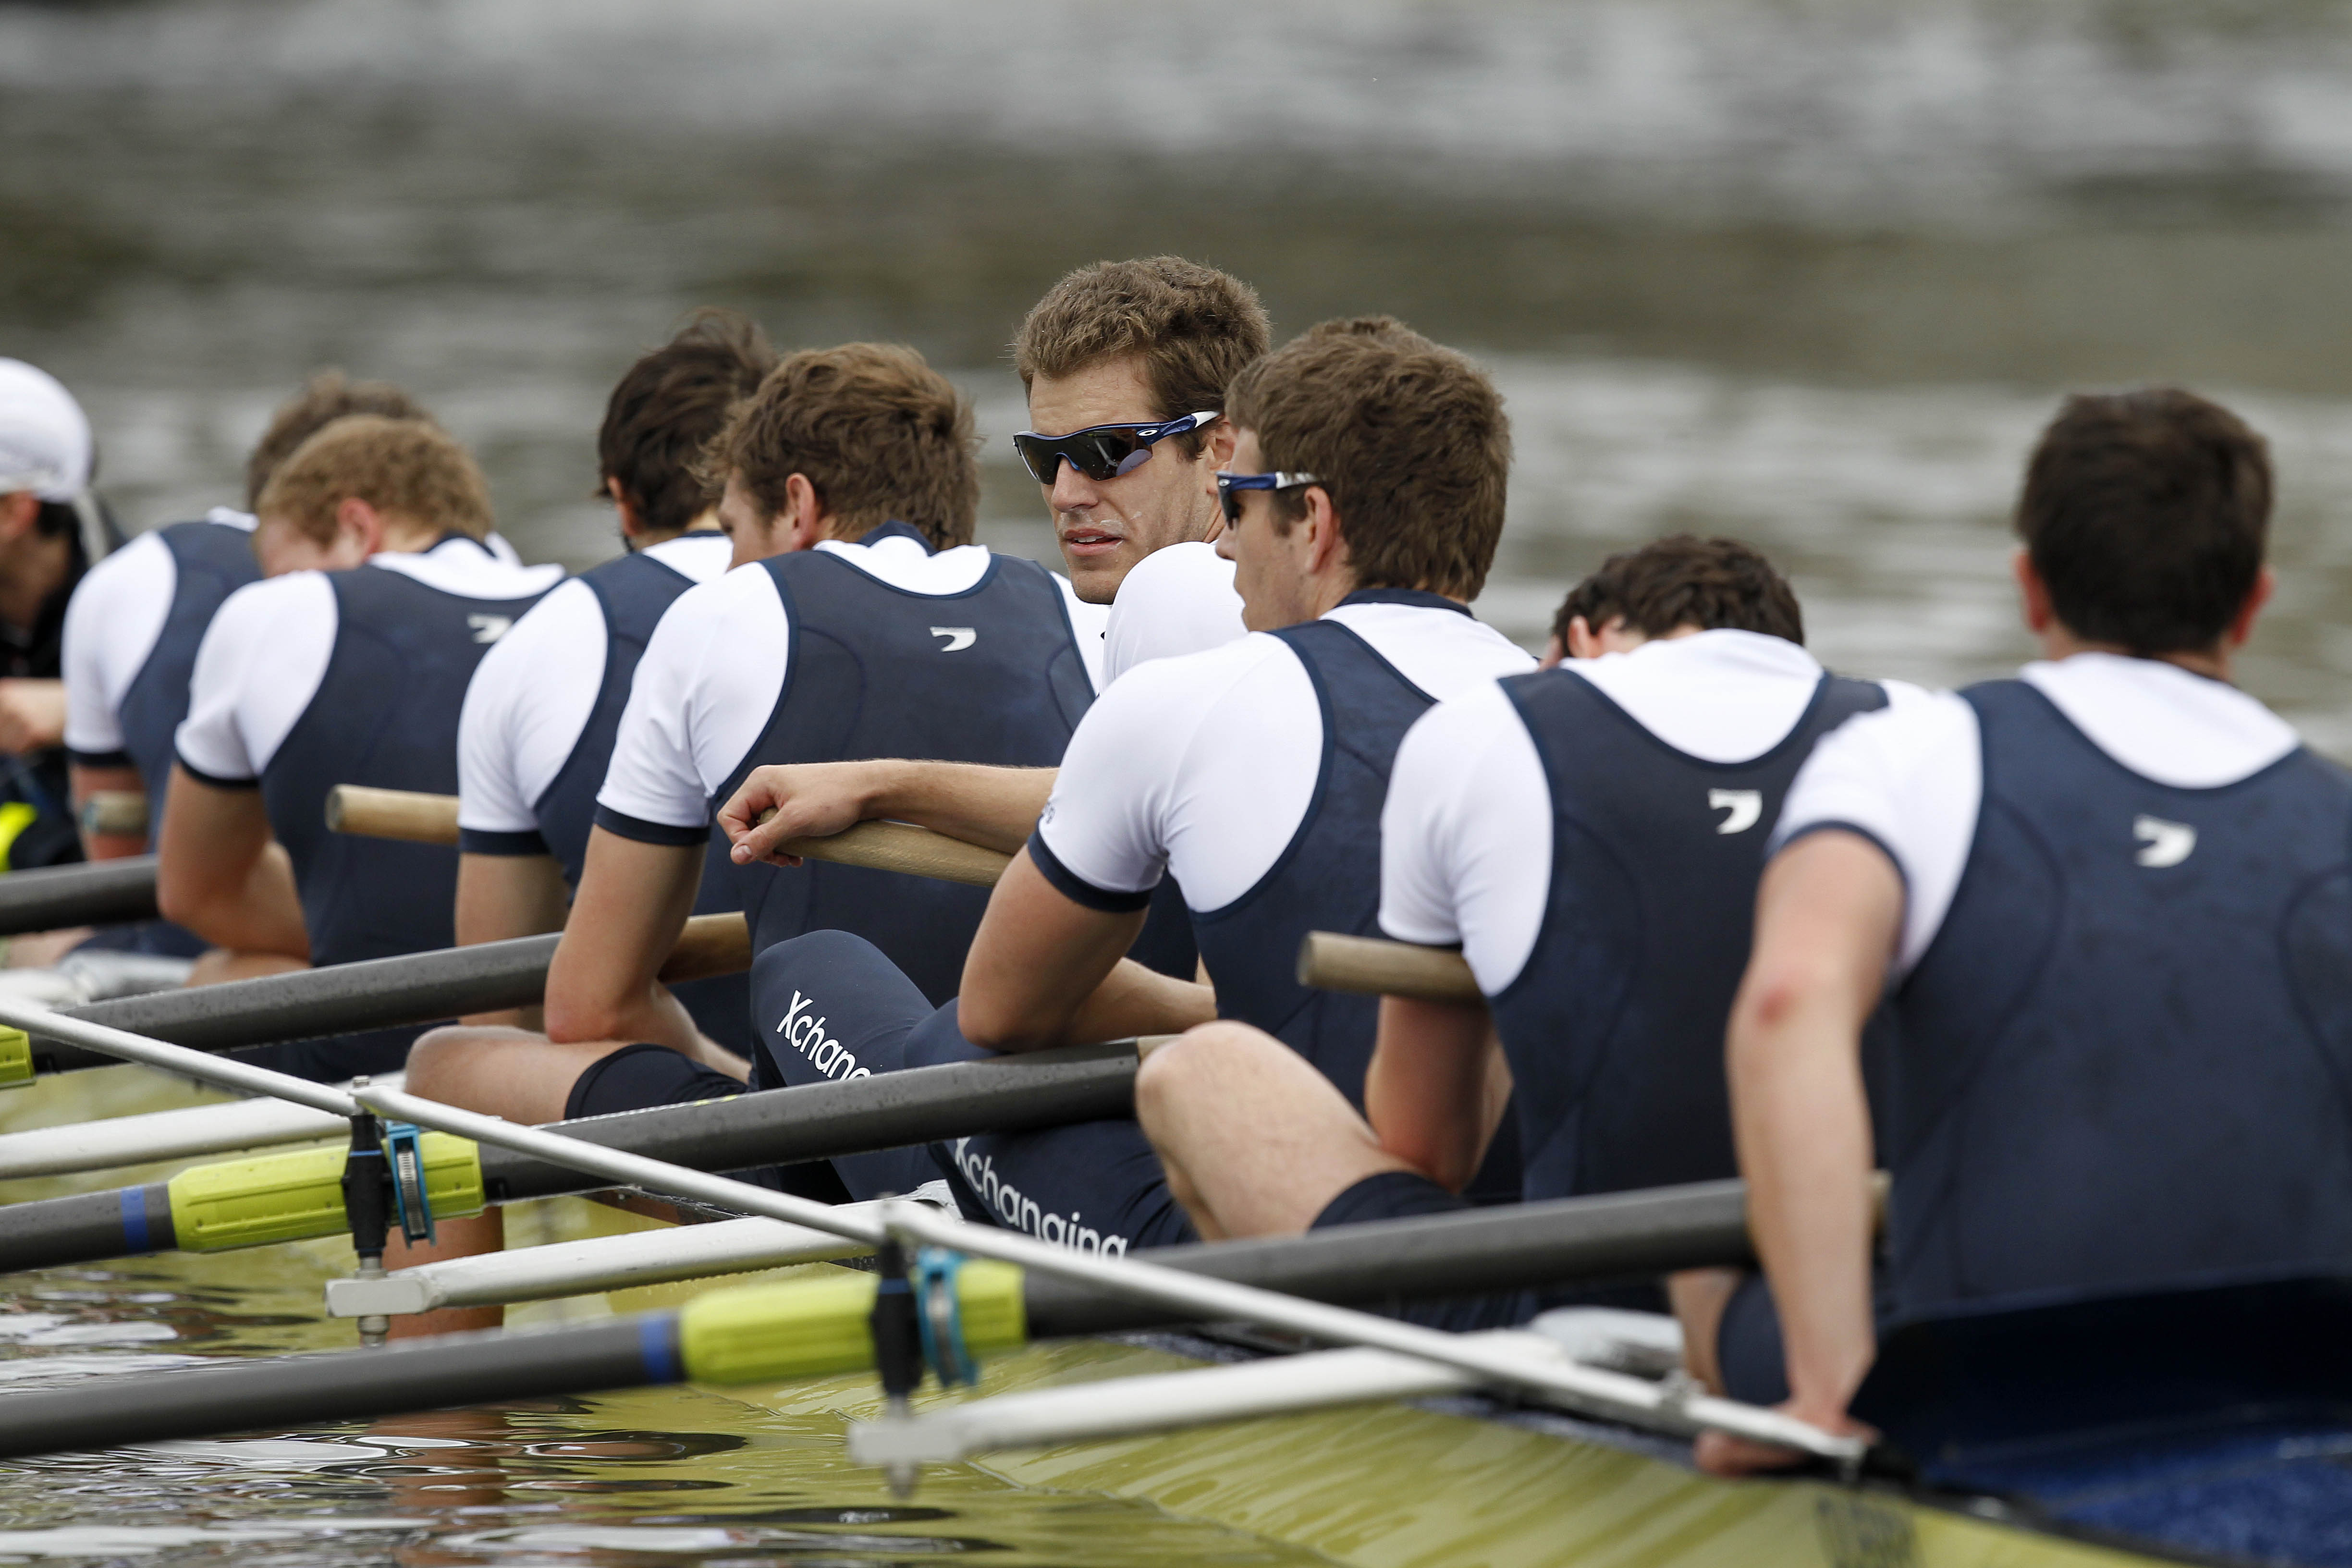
829, 1006
640, 1077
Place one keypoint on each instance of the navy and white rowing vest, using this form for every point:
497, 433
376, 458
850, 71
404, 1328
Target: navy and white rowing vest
2126, 1056
386, 714
633, 592
1327, 878
210, 560
991, 675
1614, 1028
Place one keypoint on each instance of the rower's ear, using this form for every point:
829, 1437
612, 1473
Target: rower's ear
2032, 594
19, 510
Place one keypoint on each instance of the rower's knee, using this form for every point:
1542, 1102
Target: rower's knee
1195, 1066
440, 1054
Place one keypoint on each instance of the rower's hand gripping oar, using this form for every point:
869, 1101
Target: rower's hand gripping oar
877, 846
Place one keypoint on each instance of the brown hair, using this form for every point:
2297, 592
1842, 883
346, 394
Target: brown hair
881, 435
1194, 327
668, 406
1408, 438
1686, 581
408, 467
327, 397
2147, 514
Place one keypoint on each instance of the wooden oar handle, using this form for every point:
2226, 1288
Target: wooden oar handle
902, 846
711, 944
393, 814
1330, 962
877, 846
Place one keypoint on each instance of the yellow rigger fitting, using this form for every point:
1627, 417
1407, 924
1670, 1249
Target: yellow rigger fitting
771, 1334
15, 1057
296, 1195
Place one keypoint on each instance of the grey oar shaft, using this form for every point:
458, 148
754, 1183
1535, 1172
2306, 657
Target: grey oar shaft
295, 1391
102, 892
377, 993
311, 1004
851, 1116
1618, 1236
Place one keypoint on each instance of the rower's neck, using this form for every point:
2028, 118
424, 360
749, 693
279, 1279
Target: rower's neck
2213, 663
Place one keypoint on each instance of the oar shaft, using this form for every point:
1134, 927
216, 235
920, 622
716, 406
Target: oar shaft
100, 892
379, 994
285, 1391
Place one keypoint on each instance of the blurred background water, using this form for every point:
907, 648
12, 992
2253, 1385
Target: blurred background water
1809, 272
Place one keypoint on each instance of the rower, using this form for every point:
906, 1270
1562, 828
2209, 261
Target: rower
2108, 899
347, 666
870, 625
1362, 514
52, 530
542, 711
1590, 836
132, 629
1125, 365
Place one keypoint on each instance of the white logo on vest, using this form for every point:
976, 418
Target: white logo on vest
489, 628
1745, 805
2166, 843
959, 637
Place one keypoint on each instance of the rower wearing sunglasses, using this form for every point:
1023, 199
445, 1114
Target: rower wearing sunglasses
1125, 365
1363, 508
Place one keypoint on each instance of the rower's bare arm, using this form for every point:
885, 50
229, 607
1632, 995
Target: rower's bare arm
1827, 915
32, 714
1134, 1000
1037, 960
503, 896
1437, 1086
997, 808
86, 783
633, 902
220, 874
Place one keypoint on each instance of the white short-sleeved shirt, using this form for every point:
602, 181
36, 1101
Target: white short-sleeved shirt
268, 647
117, 613
1467, 835
1911, 778
1179, 599
533, 692
715, 670
1203, 766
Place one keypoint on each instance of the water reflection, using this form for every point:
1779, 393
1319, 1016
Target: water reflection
647, 1477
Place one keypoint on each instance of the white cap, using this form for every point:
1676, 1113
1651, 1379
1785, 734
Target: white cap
45, 443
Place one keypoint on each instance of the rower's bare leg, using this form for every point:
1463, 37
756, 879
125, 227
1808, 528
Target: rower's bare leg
513, 1073
468, 1238
1253, 1140
1699, 1297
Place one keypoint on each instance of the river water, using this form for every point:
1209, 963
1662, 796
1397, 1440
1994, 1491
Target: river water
1812, 272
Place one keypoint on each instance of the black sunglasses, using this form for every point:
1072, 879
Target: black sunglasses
1099, 451
1230, 486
